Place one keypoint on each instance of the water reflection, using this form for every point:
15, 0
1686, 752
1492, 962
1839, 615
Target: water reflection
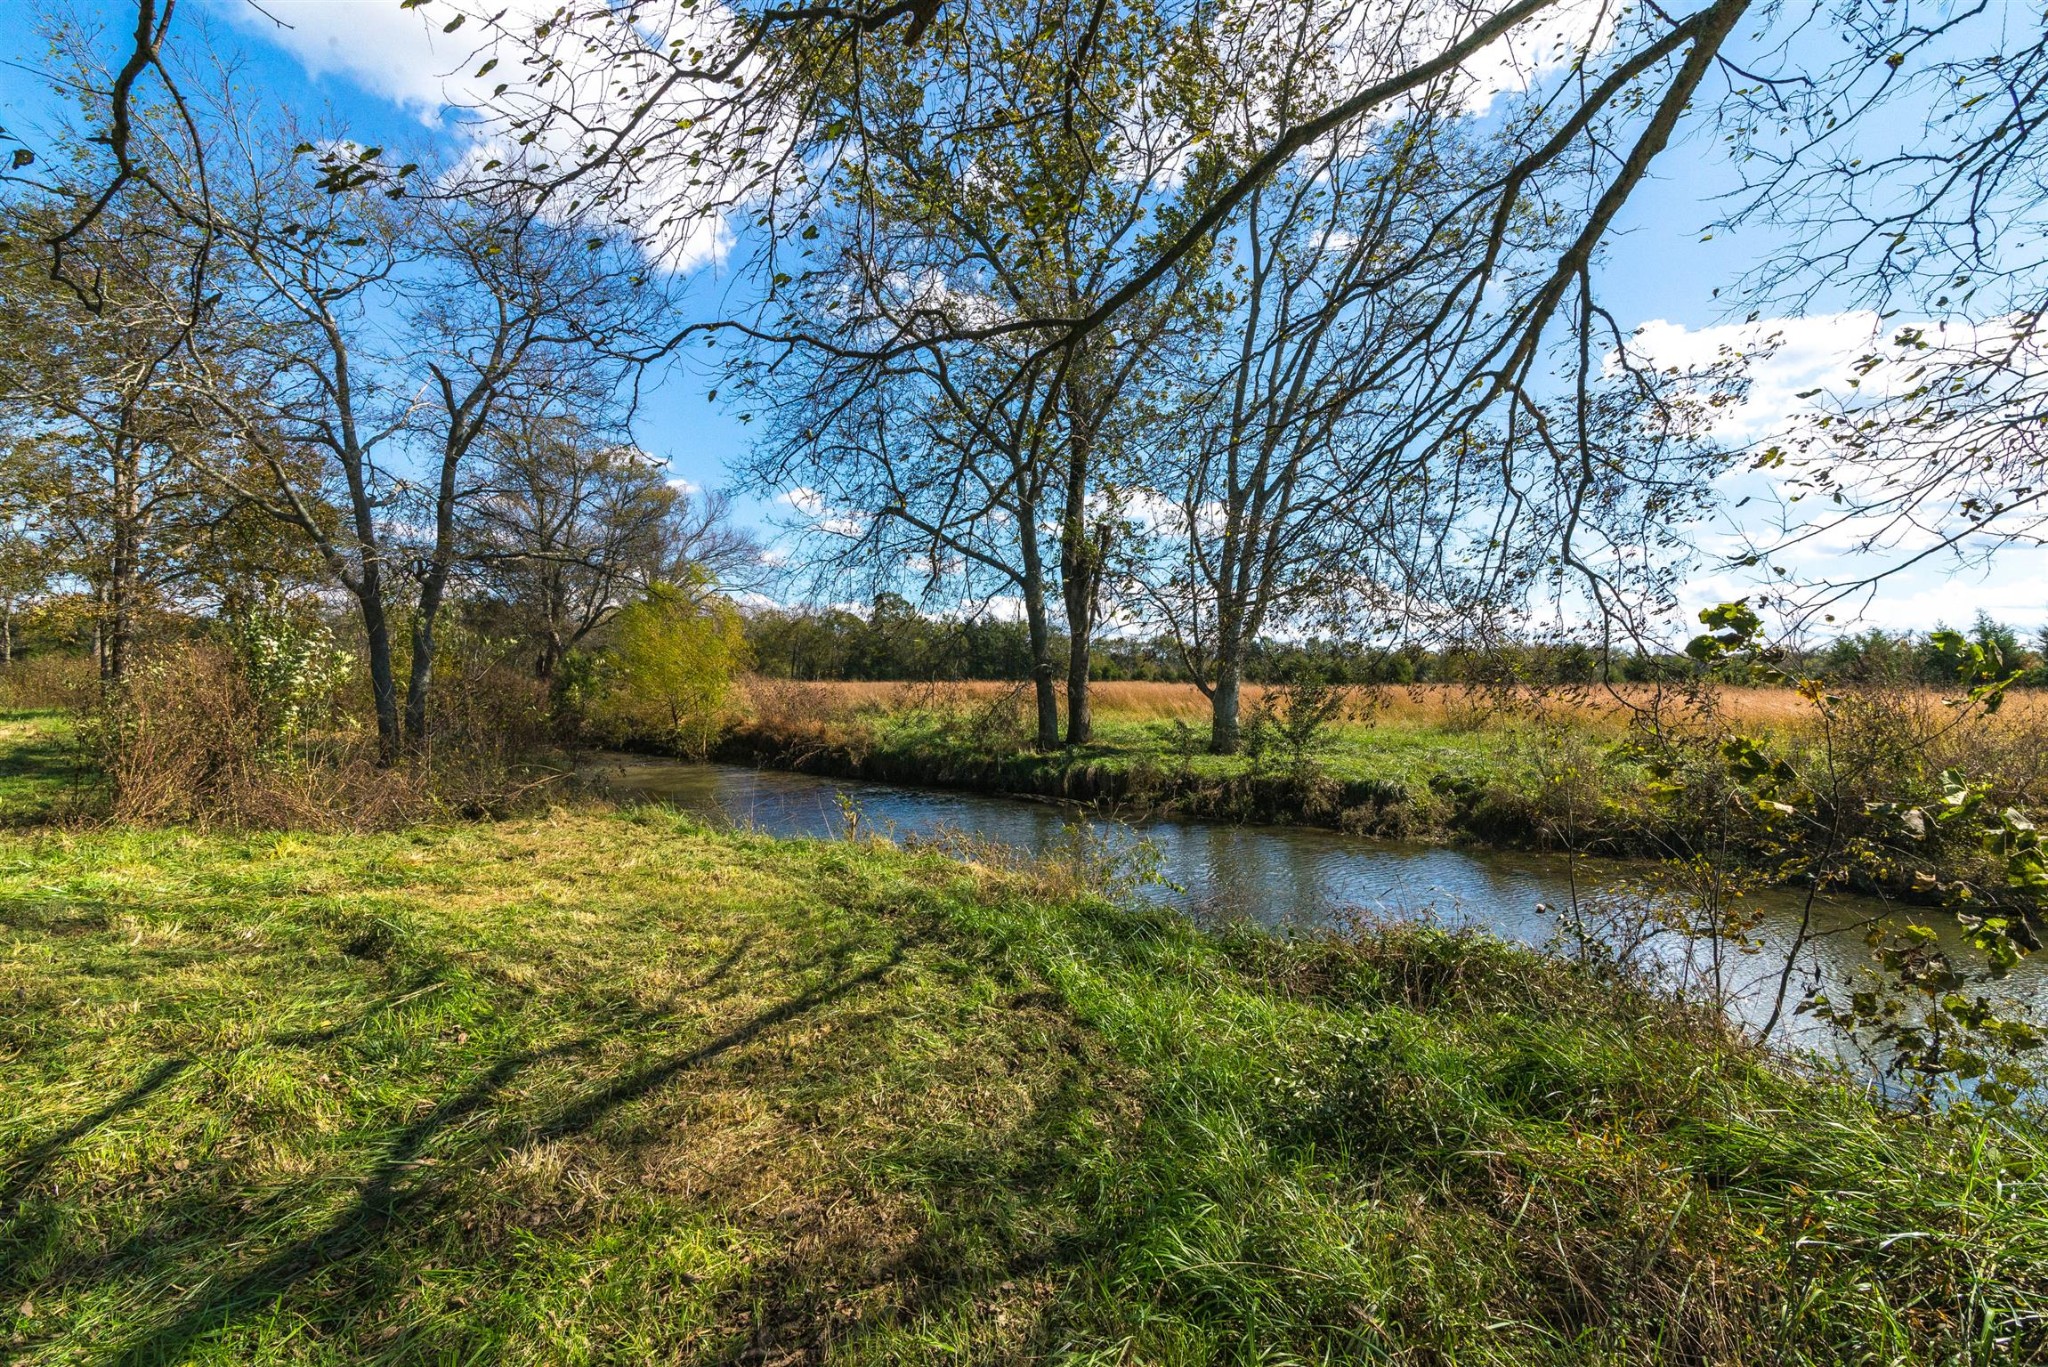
1287, 877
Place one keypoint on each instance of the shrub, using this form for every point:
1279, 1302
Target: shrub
256, 730
667, 675
291, 672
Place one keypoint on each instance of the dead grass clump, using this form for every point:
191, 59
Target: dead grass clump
49, 682
186, 742
803, 719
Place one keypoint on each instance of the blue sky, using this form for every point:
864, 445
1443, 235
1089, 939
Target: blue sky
381, 71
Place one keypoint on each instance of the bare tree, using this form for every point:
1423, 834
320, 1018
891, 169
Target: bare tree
515, 304
1005, 458
1908, 176
568, 527
358, 352
102, 443
935, 469
1283, 479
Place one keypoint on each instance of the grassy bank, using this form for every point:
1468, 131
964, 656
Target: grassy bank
1525, 769
611, 1086
1417, 771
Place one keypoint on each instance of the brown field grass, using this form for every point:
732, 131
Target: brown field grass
1417, 705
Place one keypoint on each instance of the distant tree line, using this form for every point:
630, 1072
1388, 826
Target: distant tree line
1879, 656
893, 640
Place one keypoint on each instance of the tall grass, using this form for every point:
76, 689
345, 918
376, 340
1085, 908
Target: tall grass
52, 681
190, 740
1410, 705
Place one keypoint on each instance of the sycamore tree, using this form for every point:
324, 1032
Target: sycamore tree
982, 465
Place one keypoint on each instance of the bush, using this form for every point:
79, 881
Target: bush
217, 734
667, 676
292, 674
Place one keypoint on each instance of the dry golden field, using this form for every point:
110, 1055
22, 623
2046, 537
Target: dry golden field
1416, 705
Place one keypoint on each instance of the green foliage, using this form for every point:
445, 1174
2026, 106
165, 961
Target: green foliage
1979, 666
292, 669
894, 641
1929, 1015
1294, 717
1735, 629
667, 673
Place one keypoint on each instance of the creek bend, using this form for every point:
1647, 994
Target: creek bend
1298, 877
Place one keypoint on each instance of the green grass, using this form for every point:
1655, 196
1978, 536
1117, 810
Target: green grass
1402, 752
1402, 777
614, 1087
41, 770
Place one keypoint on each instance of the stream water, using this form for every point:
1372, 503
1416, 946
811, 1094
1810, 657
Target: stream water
1296, 877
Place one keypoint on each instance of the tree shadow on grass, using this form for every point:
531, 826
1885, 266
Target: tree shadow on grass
972, 1216
402, 1188
41, 774
27, 1168
418, 986
1008, 1231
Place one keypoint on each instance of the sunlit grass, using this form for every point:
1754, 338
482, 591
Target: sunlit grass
1453, 706
1525, 767
42, 771
610, 1086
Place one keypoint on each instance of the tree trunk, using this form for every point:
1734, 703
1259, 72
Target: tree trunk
383, 683
419, 681
1080, 714
432, 585
1225, 734
1032, 585
1081, 557
99, 629
1046, 694
121, 579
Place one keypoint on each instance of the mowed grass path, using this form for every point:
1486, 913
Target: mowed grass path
606, 1086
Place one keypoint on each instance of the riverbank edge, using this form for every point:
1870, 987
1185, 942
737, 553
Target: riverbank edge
1166, 1125
1479, 813
1456, 811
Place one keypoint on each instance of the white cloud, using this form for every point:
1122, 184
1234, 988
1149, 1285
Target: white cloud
1788, 358
1526, 55
400, 55
1800, 368
812, 506
405, 57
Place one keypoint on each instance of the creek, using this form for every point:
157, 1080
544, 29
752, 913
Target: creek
1289, 878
